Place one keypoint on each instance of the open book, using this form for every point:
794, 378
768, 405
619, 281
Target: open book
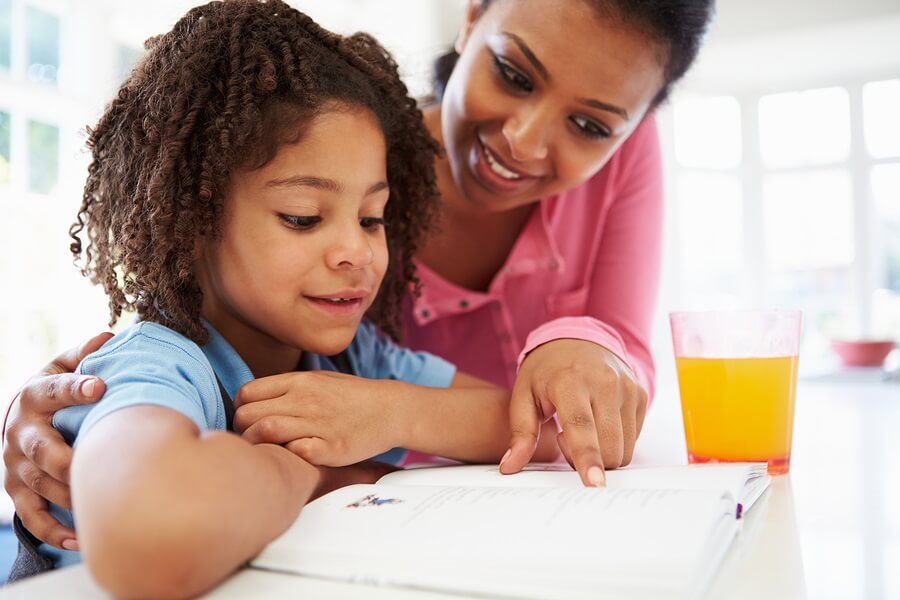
653, 532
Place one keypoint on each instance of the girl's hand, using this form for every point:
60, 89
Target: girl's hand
36, 457
326, 418
599, 406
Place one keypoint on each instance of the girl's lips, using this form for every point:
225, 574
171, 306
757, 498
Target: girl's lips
343, 308
479, 163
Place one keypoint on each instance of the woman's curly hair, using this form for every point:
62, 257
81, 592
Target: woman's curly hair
230, 83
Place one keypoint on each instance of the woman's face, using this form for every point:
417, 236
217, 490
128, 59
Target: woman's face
542, 96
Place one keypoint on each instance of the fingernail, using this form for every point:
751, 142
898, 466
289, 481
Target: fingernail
70, 545
87, 388
505, 456
596, 476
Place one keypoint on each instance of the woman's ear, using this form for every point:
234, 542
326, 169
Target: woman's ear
474, 8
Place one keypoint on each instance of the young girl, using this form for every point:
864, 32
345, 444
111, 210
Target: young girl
254, 184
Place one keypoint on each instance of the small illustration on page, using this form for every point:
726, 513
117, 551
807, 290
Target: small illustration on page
373, 500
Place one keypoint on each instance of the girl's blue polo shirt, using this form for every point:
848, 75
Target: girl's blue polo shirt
149, 364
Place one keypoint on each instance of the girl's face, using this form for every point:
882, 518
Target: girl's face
542, 95
302, 251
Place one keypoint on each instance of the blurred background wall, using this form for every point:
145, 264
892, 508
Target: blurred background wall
782, 154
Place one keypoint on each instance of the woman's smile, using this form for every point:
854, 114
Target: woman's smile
495, 173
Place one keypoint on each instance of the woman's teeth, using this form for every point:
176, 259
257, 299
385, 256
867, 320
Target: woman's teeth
497, 168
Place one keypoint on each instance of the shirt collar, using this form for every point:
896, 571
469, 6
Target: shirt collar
233, 372
228, 365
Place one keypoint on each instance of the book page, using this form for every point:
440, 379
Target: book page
730, 478
500, 540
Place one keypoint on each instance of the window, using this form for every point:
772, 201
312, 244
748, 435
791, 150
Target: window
809, 250
5, 34
710, 217
882, 134
806, 220
126, 59
803, 212
885, 182
710, 204
881, 112
804, 128
5, 138
42, 60
708, 132
886, 192
43, 157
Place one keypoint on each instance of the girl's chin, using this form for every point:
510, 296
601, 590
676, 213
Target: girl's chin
329, 345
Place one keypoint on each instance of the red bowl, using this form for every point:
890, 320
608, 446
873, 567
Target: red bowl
862, 353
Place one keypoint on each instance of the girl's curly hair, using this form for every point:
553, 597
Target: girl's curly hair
230, 83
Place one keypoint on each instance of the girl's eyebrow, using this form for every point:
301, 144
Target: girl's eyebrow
542, 70
321, 183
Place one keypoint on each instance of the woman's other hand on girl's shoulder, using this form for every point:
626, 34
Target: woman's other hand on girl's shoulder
36, 457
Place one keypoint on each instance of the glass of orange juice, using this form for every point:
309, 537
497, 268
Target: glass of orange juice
737, 374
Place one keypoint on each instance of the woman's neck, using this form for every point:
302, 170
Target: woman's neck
472, 243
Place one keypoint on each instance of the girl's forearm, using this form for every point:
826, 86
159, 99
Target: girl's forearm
166, 512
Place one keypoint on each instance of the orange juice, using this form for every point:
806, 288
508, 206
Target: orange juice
738, 409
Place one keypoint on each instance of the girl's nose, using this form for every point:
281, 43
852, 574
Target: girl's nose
352, 249
526, 134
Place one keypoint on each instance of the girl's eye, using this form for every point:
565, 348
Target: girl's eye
301, 223
589, 128
511, 76
371, 223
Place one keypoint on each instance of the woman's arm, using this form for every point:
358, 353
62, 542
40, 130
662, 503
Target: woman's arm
596, 371
336, 419
165, 511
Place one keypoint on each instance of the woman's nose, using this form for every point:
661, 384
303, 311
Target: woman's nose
526, 134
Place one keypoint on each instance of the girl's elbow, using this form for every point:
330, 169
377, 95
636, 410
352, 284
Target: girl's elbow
136, 573
145, 558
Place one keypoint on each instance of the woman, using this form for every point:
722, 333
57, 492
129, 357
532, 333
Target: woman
543, 276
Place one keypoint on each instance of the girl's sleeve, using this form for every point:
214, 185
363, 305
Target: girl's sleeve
625, 279
148, 365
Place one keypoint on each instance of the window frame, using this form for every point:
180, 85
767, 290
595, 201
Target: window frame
868, 263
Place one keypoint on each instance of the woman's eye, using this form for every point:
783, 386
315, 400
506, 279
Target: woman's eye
371, 223
512, 76
590, 128
301, 223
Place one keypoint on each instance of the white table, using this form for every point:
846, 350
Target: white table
830, 529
